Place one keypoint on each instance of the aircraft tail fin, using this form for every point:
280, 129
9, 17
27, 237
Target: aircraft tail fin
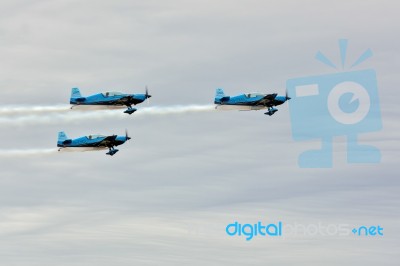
76, 97
219, 93
62, 136
75, 93
220, 97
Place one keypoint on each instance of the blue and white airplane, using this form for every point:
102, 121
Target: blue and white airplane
249, 101
108, 100
91, 143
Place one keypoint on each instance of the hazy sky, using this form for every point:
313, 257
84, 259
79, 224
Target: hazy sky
167, 196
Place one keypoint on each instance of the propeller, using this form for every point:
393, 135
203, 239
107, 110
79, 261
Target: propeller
287, 96
147, 93
126, 135
147, 96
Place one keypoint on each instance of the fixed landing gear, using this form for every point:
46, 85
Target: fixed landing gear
130, 110
271, 111
112, 151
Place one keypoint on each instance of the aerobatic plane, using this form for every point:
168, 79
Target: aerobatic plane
91, 143
108, 100
249, 101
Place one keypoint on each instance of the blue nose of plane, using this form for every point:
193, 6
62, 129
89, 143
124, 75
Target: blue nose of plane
281, 99
142, 97
121, 139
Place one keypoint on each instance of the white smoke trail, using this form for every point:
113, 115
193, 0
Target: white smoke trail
177, 109
59, 114
26, 152
33, 115
26, 109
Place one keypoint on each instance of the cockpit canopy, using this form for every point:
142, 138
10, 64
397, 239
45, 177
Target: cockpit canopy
95, 136
111, 93
254, 94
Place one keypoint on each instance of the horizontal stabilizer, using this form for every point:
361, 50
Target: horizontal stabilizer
81, 99
67, 141
225, 99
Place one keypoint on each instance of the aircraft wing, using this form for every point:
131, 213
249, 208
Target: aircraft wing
127, 100
267, 100
107, 141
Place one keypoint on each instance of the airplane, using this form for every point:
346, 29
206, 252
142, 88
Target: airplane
91, 143
249, 101
108, 100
